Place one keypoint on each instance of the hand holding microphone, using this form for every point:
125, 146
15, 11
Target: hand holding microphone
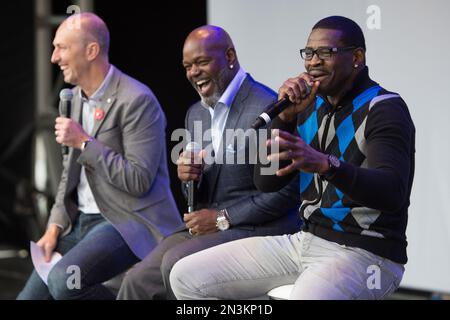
189, 168
68, 133
295, 95
65, 109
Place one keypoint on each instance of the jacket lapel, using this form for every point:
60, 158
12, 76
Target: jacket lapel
106, 103
236, 109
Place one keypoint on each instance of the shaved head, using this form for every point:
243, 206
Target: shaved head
89, 28
212, 36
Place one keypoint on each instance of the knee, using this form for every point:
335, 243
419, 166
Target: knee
186, 281
62, 284
177, 281
167, 263
132, 279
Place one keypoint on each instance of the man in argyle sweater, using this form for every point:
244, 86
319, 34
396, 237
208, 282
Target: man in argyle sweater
353, 144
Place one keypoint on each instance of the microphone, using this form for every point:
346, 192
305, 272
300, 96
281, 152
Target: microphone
192, 147
274, 109
65, 106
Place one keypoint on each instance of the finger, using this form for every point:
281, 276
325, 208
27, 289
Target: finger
285, 155
202, 154
194, 169
315, 87
188, 162
288, 89
285, 135
278, 144
47, 252
185, 176
188, 217
284, 144
287, 170
62, 120
305, 89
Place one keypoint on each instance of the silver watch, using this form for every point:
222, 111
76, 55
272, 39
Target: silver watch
222, 222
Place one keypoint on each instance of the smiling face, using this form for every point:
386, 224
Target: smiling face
206, 60
70, 53
335, 73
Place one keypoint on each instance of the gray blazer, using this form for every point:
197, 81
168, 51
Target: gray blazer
126, 167
231, 186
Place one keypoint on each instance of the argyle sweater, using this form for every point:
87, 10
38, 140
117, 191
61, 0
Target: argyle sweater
365, 202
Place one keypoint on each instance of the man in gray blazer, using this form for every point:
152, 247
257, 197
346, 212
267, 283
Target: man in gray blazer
229, 206
114, 202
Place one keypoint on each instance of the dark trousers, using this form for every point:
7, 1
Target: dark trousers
149, 279
96, 249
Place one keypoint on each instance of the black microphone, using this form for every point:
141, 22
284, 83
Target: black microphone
274, 109
65, 106
192, 147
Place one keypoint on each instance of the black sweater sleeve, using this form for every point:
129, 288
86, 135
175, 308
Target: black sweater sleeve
386, 182
272, 183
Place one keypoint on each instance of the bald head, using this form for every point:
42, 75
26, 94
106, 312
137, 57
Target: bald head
212, 37
89, 28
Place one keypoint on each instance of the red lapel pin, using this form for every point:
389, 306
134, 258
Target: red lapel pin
99, 114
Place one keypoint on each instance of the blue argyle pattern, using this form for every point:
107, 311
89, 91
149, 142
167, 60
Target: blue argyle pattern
345, 139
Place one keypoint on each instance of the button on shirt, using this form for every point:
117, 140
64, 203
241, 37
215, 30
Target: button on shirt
86, 201
219, 114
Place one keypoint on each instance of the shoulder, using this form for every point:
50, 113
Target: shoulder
131, 86
196, 110
258, 90
134, 93
255, 94
388, 109
388, 104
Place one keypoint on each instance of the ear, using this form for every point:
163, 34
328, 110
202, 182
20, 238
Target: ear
359, 57
230, 55
92, 50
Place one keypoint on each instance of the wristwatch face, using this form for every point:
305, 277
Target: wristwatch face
222, 223
334, 162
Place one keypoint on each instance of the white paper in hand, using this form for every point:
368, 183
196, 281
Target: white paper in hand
37, 256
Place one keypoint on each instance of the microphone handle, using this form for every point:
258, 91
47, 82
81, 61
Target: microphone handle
272, 111
191, 200
65, 111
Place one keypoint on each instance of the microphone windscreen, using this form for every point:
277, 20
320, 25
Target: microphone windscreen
65, 95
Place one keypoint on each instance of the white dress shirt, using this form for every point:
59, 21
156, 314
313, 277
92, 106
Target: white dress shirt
86, 201
219, 114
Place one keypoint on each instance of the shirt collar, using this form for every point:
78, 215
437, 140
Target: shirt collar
231, 91
98, 94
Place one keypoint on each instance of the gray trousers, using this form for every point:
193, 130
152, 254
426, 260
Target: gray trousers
319, 269
149, 279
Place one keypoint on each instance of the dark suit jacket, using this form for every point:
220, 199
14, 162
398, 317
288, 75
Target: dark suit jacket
231, 186
126, 167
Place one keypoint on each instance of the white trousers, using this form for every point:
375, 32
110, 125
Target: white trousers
251, 267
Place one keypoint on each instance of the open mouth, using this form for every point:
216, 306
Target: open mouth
203, 86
